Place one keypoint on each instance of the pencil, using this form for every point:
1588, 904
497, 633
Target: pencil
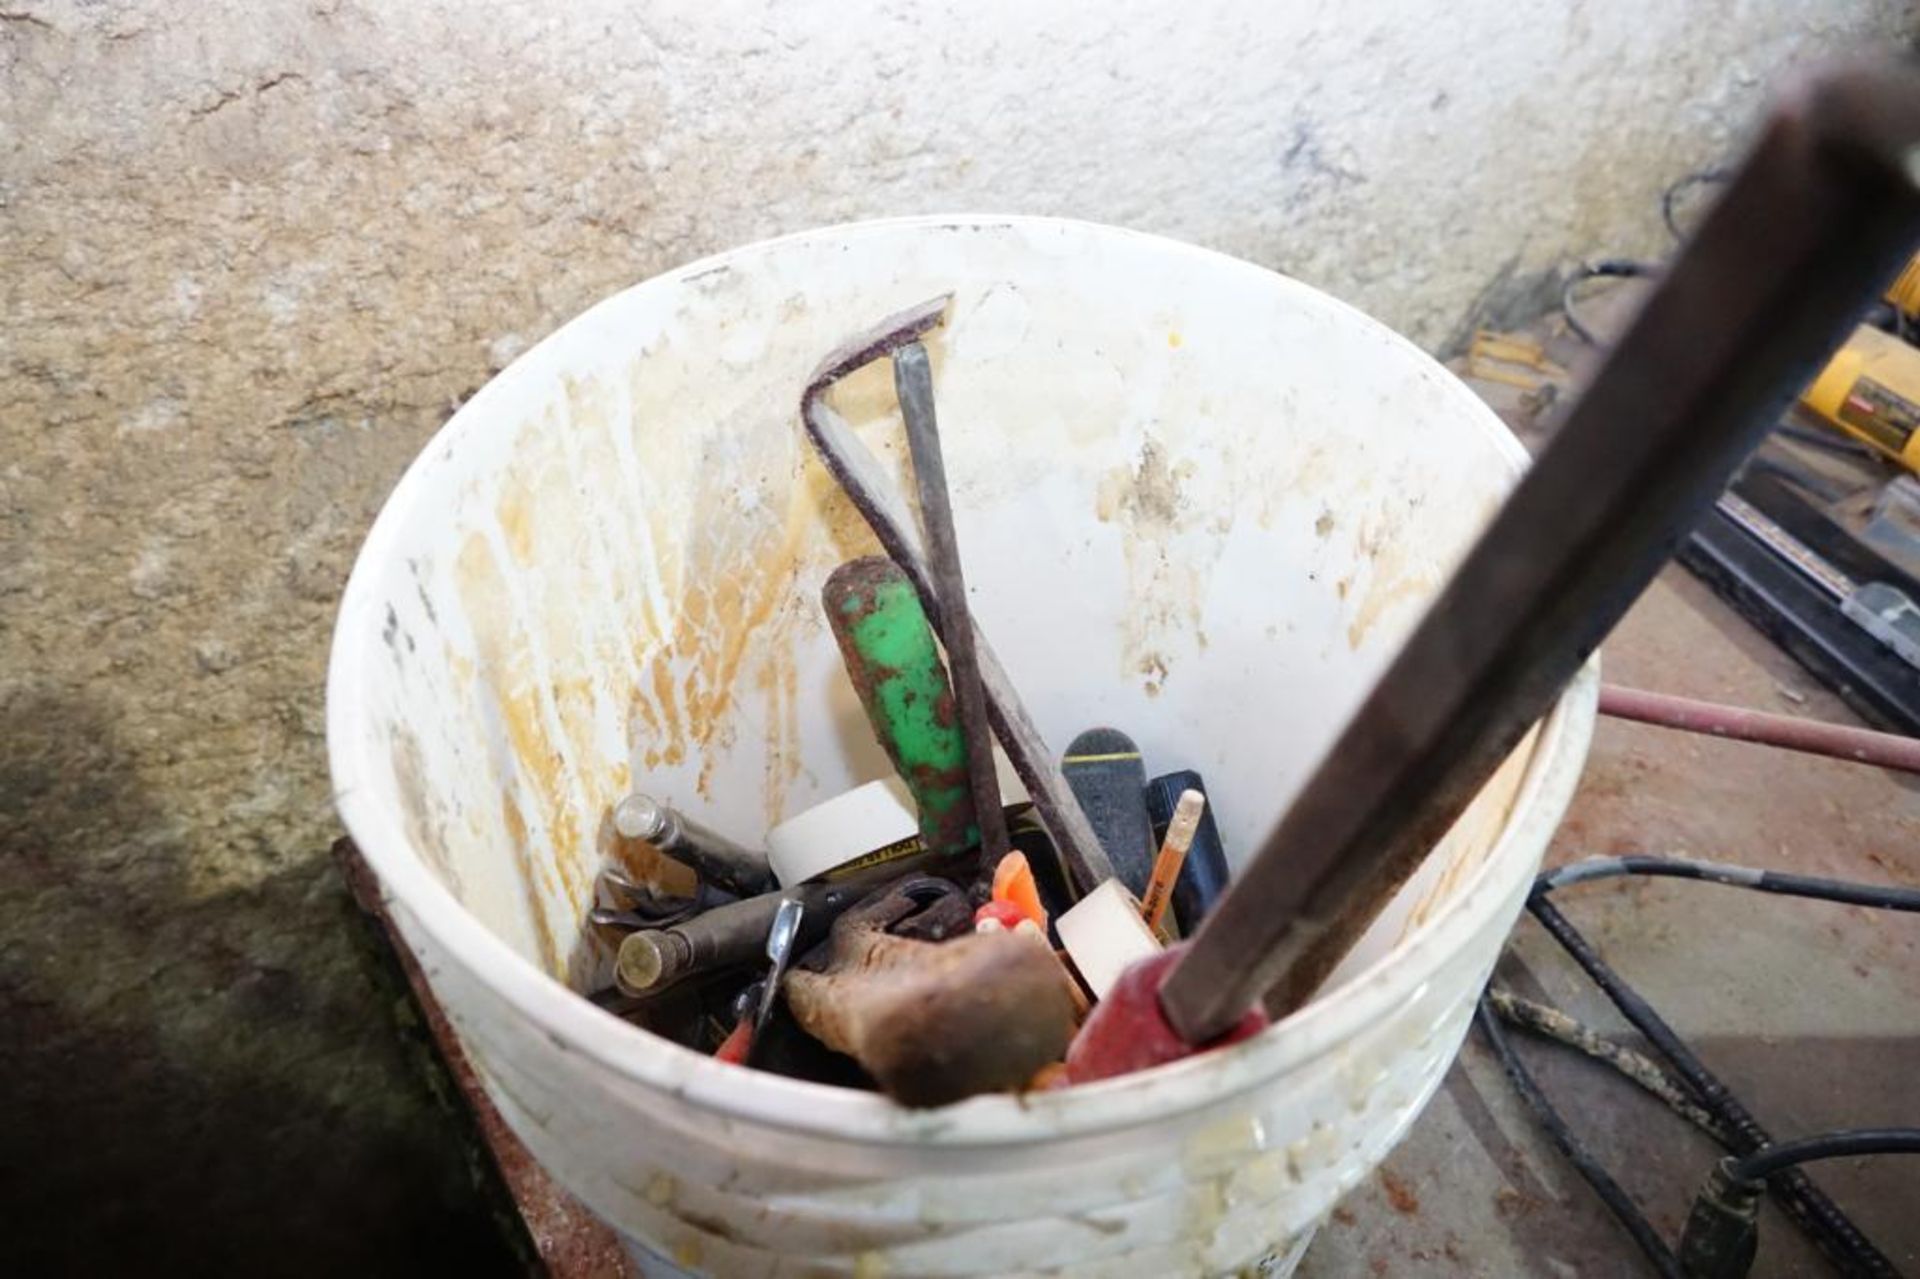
1173, 855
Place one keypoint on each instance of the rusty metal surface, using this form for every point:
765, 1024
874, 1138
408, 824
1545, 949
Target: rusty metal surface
568, 1241
1818, 216
913, 383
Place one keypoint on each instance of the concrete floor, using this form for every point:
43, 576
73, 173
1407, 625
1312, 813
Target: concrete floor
1809, 1011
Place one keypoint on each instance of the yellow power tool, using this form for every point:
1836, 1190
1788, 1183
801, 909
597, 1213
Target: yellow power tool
1871, 387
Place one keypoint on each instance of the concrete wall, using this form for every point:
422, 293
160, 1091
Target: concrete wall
255, 250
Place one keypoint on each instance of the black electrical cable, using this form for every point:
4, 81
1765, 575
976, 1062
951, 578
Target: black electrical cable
1626, 267
1609, 268
1829, 440
1618, 1202
1637, 1068
1829, 1227
1807, 482
1877, 896
1827, 1145
1671, 196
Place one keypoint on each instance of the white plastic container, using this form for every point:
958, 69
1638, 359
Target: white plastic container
1196, 500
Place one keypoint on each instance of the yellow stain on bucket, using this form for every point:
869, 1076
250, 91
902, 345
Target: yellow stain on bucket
673, 740
541, 658
1396, 579
738, 594
1385, 592
516, 524
516, 827
744, 569
734, 573
503, 671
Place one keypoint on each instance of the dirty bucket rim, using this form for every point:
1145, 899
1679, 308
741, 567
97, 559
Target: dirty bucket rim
795, 1106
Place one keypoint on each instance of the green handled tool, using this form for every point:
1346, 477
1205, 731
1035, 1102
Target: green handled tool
889, 649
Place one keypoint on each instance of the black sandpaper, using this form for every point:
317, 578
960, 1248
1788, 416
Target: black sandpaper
1104, 768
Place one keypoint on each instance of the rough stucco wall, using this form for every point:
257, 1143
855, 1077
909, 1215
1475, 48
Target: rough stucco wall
255, 252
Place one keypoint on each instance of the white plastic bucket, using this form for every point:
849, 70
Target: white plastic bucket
1196, 500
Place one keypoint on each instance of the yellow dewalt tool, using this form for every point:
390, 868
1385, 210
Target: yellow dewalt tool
1871, 387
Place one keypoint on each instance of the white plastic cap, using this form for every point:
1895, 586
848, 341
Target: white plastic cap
865, 820
843, 829
1103, 934
639, 817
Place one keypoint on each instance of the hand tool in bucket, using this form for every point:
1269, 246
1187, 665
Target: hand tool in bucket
913, 385
873, 494
1822, 212
888, 645
933, 1023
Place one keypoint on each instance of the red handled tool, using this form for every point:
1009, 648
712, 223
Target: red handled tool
1822, 212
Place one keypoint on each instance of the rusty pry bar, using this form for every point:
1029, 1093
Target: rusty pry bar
913, 384
878, 501
1818, 218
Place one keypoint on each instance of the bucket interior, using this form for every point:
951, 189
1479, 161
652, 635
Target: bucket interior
1195, 500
